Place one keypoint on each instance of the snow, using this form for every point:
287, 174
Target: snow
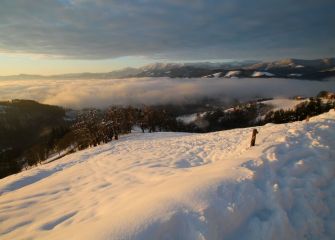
229, 110
262, 74
55, 156
217, 74
295, 75
208, 76
214, 75
187, 118
191, 117
182, 186
329, 70
283, 103
233, 74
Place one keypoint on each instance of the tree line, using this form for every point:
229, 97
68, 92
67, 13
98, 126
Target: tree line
313, 107
32, 132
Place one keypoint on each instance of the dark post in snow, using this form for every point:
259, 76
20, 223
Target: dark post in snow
116, 133
307, 118
253, 137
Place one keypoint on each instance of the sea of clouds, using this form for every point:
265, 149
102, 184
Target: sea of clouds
153, 91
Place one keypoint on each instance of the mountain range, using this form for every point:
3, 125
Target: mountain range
316, 69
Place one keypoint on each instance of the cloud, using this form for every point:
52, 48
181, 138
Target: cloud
100, 29
153, 91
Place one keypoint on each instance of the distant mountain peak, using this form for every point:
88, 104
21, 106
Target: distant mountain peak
289, 67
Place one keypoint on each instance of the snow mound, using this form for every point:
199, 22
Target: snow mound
262, 74
183, 186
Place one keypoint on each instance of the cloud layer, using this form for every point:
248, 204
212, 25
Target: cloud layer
97, 29
153, 91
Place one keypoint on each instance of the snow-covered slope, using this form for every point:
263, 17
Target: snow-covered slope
183, 186
283, 103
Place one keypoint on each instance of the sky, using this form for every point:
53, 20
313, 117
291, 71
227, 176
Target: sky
63, 36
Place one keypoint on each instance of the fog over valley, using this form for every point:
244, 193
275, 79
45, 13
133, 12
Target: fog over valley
154, 91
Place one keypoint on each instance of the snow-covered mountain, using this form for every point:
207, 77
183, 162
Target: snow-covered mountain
288, 68
295, 63
182, 186
204, 65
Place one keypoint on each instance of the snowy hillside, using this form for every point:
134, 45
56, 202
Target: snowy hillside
283, 103
183, 186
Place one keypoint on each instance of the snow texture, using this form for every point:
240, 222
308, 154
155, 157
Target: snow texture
182, 186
